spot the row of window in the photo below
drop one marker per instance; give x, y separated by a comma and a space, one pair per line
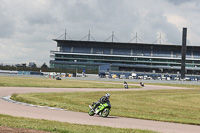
107, 59
136, 51
141, 54
71, 67
132, 63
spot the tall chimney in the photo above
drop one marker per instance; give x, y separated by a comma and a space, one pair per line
183, 52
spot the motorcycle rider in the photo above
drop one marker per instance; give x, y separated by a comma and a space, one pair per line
102, 100
125, 85
142, 84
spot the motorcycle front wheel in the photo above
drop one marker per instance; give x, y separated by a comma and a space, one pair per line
105, 112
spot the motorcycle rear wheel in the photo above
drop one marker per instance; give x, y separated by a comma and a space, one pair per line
105, 112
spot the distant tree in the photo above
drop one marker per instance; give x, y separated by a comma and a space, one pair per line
32, 65
44, 66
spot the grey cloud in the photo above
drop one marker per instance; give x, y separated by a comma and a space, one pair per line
41, 18
7, 24
103, 18
33, 25
7, 27
179, 2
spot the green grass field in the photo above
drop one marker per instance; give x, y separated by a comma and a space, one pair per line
19, 122
60, 127
52, 83
6, 81
181, 106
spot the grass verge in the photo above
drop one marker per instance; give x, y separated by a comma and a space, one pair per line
52, 83
60, 127
6, 81
181, 106
178, 85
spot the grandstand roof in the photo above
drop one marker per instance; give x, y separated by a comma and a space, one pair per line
114, 44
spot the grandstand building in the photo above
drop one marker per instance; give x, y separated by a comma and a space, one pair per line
117, 56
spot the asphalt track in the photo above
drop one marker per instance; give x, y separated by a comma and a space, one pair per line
14, 109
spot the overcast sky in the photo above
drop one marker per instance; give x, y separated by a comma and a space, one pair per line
28, 26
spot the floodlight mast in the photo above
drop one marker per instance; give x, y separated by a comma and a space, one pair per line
183, 52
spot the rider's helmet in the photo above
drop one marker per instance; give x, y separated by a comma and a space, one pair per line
107, 95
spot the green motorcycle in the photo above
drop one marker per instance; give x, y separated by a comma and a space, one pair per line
102, 109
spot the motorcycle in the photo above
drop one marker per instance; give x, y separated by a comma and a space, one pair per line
102, 109
142, 84
125, 85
